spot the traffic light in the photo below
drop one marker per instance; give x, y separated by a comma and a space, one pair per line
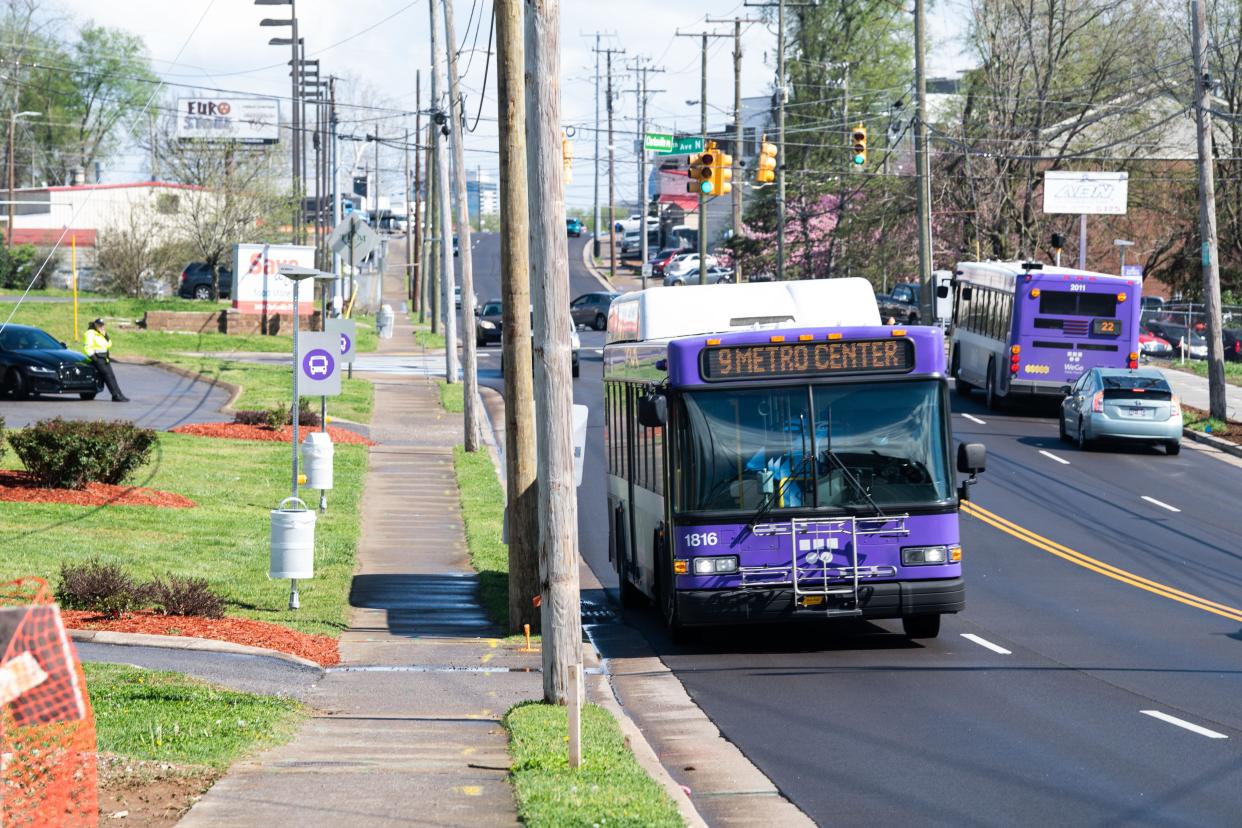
701, 173
859, 137
567, 158
767, 162
722, 174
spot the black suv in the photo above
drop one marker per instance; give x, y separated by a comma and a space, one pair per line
198, 282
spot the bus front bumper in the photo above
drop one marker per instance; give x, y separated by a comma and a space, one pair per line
895, 599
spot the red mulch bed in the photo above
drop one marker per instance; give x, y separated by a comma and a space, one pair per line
318, 648
238, 431
19, 486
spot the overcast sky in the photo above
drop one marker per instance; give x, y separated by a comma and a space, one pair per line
218, 43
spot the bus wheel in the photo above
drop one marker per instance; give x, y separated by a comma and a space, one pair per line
921, 626
989, 389
960, 385
667, 594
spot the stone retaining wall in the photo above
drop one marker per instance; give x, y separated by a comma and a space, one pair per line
226, 322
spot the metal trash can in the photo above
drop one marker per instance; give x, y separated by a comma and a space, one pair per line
383, 322
293, 542
317, 451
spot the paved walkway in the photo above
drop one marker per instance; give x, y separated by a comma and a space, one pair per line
408, 727
1193, 391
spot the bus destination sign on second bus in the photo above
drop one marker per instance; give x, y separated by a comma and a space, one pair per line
808, 359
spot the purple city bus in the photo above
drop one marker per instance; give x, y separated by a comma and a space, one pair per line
1028, 329
775, 469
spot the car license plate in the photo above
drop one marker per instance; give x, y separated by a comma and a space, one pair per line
1140, 413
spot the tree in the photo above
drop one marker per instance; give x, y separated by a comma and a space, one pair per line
129, 252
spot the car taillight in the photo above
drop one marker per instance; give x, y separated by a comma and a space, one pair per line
1175, 407
1097, 402
185, 274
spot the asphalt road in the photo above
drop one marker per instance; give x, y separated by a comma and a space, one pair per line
159, 399
1101, 678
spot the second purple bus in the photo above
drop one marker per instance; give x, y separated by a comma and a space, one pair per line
1027, 329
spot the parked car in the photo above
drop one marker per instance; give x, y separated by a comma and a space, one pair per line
33, 362
1153, 345
715, 275
198, 282
575, 344
1122, 403
592, 309
1172, 328
574, 227
902, 305
632, 241
457, 297
662, 259
487, 322
1154, 303
686, 262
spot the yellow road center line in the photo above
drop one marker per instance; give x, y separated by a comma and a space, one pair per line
1105, 569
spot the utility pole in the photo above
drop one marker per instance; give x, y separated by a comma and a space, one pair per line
595, 225
472, 401
407, 197
436, 232
558, 499
782, 95
521, 491
335, 187
414, 222
612, 184
739, 136
921, 161
642, 92
703, 36
442, 203
1207, 214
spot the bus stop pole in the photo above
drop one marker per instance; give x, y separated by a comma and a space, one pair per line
294, 603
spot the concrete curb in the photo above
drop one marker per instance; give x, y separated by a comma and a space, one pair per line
235, 391
185, 642
1215, 442
595, 272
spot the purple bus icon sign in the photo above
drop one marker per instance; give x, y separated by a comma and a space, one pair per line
345, 343
318, 364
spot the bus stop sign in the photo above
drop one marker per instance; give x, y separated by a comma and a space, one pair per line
318, 363
347, 330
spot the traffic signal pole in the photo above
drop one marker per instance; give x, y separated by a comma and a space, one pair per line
703, 198
921, 161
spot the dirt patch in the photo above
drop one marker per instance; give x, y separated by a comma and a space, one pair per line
20, 486
318, 648
133, 792
1231, 433
239, 431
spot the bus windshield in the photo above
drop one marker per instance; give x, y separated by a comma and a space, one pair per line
834, 447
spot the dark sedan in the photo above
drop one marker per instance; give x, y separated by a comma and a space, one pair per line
33, 362
592, 309
487, 324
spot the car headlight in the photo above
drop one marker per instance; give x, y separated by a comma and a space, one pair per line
487, 326
930, 555
715, 566
39, 369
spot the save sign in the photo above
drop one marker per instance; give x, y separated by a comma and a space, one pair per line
258, 286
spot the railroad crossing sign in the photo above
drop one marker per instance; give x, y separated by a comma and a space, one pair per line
354, 232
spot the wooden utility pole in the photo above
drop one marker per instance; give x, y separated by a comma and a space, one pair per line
1207, 214
921, 161
642, 92
442, 119
457, 125
436, 231
520, 463
612, 184
558, 497
595, 163
409, 228
415, 222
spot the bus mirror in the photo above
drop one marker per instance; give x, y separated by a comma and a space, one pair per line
972, 458
967, 292
653, 410
942, 291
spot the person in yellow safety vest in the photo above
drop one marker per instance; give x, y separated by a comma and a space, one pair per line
97, 345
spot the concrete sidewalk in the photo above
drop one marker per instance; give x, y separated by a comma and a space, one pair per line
1192, 389
407, 729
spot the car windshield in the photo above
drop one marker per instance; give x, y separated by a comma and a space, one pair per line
855, 446
491, 309
28, 339
1136, 381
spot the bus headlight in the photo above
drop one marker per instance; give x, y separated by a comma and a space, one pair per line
930, 555
715, 566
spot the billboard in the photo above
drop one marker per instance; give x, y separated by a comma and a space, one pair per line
1086, 193
258, 286
237, 120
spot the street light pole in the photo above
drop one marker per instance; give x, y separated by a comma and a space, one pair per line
12, 169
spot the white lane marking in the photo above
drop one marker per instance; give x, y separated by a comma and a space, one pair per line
983, 642
975, 419
1052, 456
1161, 504
1182, 723
596, 351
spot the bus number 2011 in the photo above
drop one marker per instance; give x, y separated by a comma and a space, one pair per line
696, 539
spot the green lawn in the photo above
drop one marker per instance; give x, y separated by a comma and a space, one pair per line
609, 789
483, 509
1196, 420
264, 385
1233, 370
452, 397
167, 717
225, 539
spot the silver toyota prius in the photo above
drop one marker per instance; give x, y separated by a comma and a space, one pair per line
1122, 404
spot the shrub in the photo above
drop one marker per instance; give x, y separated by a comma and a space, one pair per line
100, 587
251, 416
278, 416
176, 595
69, 454
1, 437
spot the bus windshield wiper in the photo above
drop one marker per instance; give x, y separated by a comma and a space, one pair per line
849, 476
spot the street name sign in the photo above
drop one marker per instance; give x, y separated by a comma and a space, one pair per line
347, 330
354, 230
684, 145
658, 142
318, 363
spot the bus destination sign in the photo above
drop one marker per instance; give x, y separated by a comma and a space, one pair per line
807, 359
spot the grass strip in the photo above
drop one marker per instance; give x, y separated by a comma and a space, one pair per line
1197, 419
208, 353
167, 717
424, 338
1233, 370
224, 539
452, 397
483, 510
609, 789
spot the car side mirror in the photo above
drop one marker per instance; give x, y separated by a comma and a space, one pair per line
653, 410
1066, 390
64, 345
942, 292
972, 458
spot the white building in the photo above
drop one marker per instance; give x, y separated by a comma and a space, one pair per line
44, 216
